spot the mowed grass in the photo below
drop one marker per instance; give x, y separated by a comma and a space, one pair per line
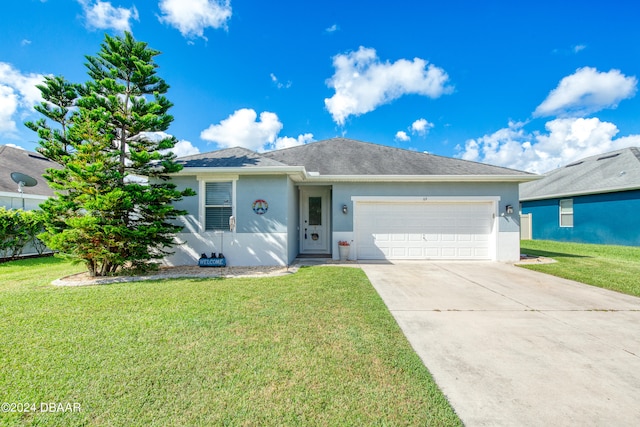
611, 267
317, 347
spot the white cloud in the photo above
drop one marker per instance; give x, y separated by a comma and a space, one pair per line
421, 127
191, 17
102, 15
402, 136
587, 91
16, 146
362, 82
288, 142
579, 47
278, 83
25, 42
567, 140
241, 129
8, 107
180, 149
332, 29
18, 95
184, 148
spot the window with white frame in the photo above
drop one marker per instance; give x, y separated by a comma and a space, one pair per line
218, 205
566, 213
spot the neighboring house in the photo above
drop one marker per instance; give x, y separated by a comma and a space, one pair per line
27, 163
593, 200
389, 203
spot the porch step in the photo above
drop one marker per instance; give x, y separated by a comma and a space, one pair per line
314, 255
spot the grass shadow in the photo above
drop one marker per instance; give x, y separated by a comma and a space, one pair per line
549, 254
34, 261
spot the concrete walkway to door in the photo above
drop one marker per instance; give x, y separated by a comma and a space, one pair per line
512, 347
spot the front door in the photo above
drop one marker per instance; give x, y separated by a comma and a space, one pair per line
314, 221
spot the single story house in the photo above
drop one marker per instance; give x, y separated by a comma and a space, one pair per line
387, 203
16, 163
593, 200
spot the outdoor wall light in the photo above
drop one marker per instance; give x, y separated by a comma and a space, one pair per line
345, 209
509, 209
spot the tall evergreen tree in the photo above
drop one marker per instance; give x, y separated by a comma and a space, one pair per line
106, 214
59, 98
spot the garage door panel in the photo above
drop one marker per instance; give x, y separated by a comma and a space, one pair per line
415, 252
449, 252
399, 252
424, 230
465, 252
481, 237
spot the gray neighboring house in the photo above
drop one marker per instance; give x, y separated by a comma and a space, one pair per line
388, 203
592, 200
28, 163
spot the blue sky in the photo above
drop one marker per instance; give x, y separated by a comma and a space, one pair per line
529, 85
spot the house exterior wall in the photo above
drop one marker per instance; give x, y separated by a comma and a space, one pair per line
293, 216
15, 201
508, 226
257, 240
273, 238
608, 218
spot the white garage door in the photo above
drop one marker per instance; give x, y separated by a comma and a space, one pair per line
424, 230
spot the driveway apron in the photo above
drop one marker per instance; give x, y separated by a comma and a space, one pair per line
513, 347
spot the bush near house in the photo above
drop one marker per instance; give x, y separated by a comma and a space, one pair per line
19, 228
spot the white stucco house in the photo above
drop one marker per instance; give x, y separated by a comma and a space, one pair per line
388, 203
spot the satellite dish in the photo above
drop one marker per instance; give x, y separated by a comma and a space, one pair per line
23, 180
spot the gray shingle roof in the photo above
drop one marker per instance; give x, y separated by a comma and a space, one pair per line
26, 162
347, 157
614, 171
227, 158
342, 156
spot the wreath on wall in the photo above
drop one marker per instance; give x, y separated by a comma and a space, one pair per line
260, 207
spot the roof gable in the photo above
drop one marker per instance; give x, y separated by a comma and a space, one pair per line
614, 171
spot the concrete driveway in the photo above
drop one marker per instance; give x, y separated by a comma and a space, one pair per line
512, 347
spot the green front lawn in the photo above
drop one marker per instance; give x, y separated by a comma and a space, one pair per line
611, 267
314, 348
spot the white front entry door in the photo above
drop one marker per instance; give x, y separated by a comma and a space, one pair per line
314, 221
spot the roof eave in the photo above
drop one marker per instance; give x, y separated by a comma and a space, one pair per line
579, 193
254, 170
422, 178
299, 174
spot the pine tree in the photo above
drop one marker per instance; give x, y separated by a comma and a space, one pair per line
59, 97
114, 206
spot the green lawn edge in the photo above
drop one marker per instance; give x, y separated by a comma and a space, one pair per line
318, 347
606, 266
